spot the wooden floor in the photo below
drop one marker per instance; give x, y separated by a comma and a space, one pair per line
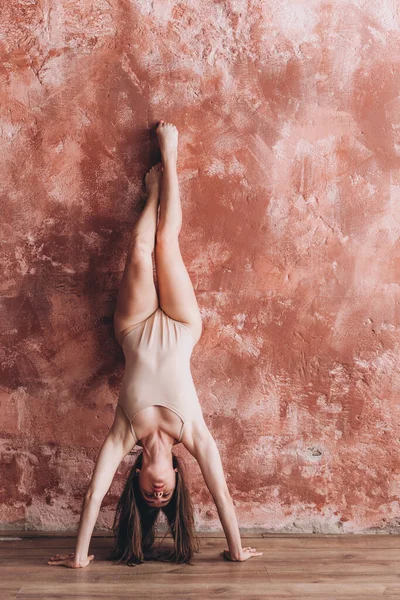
323, 567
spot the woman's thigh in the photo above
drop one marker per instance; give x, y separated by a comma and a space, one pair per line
176, 294
137, 296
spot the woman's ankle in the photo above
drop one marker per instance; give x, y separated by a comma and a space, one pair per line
170, 160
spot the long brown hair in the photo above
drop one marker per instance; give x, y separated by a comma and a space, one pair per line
134, 522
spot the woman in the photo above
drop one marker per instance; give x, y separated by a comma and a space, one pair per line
158, 406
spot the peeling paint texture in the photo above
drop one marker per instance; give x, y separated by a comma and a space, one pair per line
289, 120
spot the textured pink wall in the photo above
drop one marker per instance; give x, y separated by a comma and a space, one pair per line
289, 119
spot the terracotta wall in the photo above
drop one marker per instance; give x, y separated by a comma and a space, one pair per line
289, 119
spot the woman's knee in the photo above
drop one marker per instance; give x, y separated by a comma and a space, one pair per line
167, 235
140, 250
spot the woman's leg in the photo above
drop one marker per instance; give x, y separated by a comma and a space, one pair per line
177, 297
137, 296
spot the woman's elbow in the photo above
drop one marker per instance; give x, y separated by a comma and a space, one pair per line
93, 496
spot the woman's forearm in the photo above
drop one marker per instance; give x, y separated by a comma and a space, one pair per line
227, 516
90, 512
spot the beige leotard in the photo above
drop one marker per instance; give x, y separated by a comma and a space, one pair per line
157, 369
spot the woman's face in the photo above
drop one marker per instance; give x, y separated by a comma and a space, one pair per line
157, 483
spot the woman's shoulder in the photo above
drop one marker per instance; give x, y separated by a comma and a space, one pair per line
194, 431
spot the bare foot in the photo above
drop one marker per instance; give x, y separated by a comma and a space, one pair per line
153, 180
167, 135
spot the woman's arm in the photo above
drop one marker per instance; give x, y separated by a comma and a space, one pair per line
206, 453
113, 450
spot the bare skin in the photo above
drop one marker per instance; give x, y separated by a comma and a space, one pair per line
68, 560
157, 427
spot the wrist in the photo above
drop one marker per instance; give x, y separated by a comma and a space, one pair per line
79, 558
235, 555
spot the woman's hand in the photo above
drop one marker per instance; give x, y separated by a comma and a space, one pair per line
245, 553
68, 560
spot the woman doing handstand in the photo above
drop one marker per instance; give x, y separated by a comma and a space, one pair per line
158, 406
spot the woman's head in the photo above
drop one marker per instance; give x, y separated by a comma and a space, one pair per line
136, 515
157, 478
